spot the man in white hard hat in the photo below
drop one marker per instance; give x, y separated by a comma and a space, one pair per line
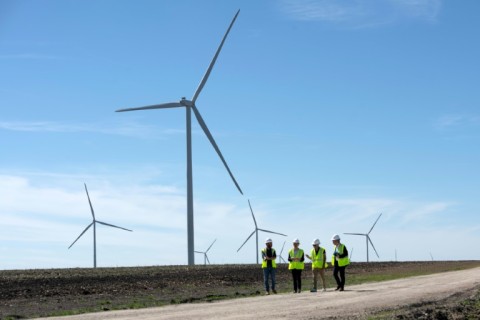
319, 263
269, 265
296, 264
339, 261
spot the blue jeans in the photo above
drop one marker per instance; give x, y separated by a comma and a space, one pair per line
269, 272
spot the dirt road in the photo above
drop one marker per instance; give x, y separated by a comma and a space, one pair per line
355, 301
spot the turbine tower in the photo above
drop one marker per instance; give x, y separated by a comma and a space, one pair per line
256, 232
189, 107
205, 257
367, 237
94, 224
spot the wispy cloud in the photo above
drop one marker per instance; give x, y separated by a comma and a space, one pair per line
361, 13
29, 56
457, 120
131, 129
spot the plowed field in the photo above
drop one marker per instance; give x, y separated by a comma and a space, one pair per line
33, 293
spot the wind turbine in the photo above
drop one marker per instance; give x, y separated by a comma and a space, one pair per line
189, 106
256, 231
94, 224
351, 254
281, 251
367, 237
205, 257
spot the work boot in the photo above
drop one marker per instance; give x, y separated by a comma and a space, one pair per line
313, 290
267, 293
274, 291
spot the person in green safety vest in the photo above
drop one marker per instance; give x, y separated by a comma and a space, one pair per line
339, 261
269, 265
296, 264
319, 263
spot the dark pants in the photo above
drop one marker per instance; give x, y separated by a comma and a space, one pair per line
269, 272
340, 280
297, 279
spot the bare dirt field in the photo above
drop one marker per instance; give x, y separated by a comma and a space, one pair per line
33, 293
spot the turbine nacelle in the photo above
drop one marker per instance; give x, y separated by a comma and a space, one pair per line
186, 103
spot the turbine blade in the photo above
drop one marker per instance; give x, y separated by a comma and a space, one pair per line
214, 144
155, 106
369, 240
210, 67
246, 240
273, 232
199, 252
283, 246
357, 234
81, 234
211, 245
111, 225
208, 260
374, 223
251, 210
90, 202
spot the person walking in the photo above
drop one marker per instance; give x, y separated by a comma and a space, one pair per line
318, 256
339, 261
269, 266
296, 263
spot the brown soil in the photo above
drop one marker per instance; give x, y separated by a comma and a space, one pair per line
33, 293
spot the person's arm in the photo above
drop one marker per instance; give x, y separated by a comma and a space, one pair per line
274, 255
289, 257
263, 255
303, 257
344, 254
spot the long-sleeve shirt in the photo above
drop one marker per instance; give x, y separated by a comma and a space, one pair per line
268, 253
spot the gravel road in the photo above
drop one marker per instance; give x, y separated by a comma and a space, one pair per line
353, 302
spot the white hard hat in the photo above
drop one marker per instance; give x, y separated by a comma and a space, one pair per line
335, 237
316, 242
268, 240
296, 240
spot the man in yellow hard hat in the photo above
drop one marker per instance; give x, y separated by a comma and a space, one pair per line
319, 263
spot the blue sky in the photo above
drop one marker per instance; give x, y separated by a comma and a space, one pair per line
327, 112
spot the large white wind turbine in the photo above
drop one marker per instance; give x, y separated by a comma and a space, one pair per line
205, 257
256, 232
367, 237
94, 224
189, 106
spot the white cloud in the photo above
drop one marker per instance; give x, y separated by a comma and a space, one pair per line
42, 213
457, 120
361, 13
131, 129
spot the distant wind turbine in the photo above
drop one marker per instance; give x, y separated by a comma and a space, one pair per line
431, 256
205, 257
351, 254
94, 224
281, 251
256, 232
189, 106
367, 237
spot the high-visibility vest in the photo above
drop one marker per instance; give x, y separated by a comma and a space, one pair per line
317, 258
296, 264
342, 262
264, 262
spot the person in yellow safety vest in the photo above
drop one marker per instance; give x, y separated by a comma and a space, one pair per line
296, 260
269, 266
319, 263
339, 261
